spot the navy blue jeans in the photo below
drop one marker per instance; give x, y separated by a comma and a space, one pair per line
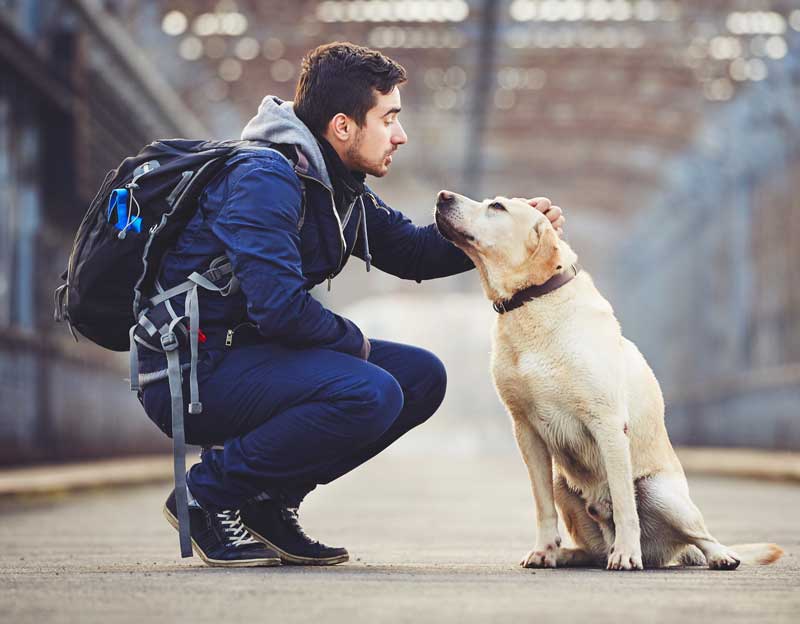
289, 419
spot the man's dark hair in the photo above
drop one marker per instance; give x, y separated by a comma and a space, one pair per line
342, 78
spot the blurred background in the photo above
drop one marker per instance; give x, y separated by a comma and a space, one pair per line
667, 130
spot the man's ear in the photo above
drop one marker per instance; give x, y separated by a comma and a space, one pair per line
545, 259
340, 126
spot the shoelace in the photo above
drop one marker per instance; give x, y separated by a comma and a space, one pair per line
232, 524
290, 516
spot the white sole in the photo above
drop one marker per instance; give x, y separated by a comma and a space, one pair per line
218, 563
288, 558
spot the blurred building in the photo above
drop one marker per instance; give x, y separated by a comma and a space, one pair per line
635, 116
75, 98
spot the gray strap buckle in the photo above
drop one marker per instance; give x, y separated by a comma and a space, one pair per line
169, 341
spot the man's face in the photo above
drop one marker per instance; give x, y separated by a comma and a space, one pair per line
372, 145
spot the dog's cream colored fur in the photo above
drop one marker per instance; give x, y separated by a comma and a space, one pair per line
587, 411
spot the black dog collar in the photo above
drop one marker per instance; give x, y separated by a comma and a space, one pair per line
531, 292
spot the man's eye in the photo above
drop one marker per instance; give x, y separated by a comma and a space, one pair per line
497, 206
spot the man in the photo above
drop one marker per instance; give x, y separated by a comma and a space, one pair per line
295, 394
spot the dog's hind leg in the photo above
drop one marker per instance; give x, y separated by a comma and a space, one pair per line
662, 543
670, 520
691, 556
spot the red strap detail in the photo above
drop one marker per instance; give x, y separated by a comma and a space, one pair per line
201, 337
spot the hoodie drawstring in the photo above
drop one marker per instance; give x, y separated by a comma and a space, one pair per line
367, 255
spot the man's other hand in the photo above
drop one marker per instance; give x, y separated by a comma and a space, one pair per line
553, 213
366, 347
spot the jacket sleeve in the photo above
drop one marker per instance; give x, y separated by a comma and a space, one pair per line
257, 223
405, 250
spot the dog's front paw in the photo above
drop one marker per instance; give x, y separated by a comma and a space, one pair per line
625, 557
542, 556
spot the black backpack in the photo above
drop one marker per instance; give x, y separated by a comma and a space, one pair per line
133, 220
111, 294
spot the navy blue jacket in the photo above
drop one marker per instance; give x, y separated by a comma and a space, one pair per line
283, 241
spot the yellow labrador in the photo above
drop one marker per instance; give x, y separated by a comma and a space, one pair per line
587, 411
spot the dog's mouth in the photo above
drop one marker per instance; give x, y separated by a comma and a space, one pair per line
449, 231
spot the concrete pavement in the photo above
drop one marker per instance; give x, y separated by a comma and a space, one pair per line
432, 540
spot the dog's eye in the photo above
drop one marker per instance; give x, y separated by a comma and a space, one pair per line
497, 206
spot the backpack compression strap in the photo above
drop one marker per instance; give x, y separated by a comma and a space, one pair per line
220, 268
170, 344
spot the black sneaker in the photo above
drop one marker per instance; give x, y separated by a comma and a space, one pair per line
277, 527
220, 539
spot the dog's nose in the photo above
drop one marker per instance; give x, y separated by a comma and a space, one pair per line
445, 197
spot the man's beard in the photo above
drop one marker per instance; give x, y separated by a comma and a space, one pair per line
358, 163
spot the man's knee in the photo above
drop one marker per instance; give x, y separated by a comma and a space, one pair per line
438, 381
429, 391
380, 400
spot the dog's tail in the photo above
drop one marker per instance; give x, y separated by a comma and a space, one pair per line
758, 554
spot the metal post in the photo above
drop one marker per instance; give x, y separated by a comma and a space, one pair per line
484, 90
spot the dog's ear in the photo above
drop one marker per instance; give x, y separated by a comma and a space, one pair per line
545, 259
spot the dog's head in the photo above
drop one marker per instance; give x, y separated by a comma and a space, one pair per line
512, 244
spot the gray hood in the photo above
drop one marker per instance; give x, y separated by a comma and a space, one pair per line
276, 122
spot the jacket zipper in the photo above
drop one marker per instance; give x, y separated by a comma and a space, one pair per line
344, 224
377, 204
349, 212
343, 245
231, 332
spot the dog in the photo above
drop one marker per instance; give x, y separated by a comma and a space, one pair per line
587, 410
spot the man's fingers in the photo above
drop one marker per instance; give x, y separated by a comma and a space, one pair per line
542, 204
554, 214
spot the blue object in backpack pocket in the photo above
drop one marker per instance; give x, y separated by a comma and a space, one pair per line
118, 204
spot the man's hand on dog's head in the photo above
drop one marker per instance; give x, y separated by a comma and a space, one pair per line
553, 213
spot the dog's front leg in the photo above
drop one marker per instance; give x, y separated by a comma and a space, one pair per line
626, 554
540, 469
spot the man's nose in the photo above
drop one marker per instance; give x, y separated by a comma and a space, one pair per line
399, 137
